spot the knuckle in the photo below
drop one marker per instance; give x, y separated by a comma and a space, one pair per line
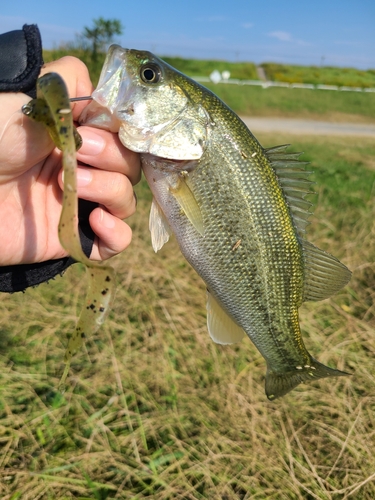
121, 196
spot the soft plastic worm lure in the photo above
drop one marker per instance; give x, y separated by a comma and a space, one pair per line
52, 108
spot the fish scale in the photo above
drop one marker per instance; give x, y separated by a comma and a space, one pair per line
238, 210
266, 317
259, 220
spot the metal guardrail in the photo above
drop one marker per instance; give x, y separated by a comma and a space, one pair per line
267, 84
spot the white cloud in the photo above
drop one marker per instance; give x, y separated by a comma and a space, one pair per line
281, 35
247, 25
284, 36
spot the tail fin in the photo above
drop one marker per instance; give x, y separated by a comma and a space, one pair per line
278, 384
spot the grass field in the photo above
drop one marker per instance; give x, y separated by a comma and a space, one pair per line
334, 75
155, 410
255, 101
340, 76
191, 67
350, 77
298, 103
196, 67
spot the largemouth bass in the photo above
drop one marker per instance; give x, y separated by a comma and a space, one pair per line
238, 210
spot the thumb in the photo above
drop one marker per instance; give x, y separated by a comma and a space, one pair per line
23, 142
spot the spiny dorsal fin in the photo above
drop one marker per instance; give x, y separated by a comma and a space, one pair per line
158, 226
293, 179
324, 274
222, 328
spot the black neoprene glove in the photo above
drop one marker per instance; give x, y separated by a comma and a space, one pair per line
20, 62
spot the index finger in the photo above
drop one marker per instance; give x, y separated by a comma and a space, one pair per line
76, 77
102, 149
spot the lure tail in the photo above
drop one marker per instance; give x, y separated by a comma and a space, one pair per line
279, 384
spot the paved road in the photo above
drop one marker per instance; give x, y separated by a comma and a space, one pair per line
308, 127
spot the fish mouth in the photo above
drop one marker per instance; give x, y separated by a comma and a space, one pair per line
113, 82
113, 103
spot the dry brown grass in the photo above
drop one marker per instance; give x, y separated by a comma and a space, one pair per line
156, 410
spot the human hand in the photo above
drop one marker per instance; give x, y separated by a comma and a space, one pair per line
31, 182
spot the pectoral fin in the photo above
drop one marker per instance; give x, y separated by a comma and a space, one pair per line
222, 328
188, 204
158, 226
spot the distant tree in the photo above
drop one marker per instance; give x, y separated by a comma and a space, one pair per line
101, 34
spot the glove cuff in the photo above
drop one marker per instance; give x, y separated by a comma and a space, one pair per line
21, 58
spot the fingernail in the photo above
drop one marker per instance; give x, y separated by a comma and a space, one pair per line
92, 143
84, 177
107, 220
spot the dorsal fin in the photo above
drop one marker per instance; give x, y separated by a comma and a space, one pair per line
293, 179
324, 275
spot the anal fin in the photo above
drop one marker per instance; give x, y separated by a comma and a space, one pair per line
221, 327
324, 274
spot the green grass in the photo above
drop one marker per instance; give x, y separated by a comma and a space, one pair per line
85, 56
243, 70
191, 67
301, 103
256, 101
155, 410
198, 67
350, 77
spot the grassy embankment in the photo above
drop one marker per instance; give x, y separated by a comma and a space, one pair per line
328, 105
350, 77
301, 103
156, 410
256, 101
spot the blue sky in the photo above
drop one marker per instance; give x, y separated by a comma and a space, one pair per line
332, 32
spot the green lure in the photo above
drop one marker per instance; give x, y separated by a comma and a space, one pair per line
52, 108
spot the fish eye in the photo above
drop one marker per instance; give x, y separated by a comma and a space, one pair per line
150, 73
